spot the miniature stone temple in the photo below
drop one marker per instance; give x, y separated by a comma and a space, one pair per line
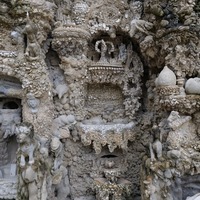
99, 99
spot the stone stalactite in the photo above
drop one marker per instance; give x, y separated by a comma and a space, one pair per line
99, 99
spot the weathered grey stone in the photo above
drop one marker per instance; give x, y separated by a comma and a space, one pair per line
192, 86
82, 114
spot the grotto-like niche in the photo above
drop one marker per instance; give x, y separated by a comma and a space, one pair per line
10, 116
104, 80
60, 87
112, 92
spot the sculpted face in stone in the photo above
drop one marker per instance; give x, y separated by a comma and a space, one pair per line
32, 102
21, 137
14, 37
23, 134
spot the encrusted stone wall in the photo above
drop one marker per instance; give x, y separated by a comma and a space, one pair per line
99, 99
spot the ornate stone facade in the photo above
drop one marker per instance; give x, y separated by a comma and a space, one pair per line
99, 99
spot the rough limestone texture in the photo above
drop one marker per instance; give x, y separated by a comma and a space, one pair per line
100, 99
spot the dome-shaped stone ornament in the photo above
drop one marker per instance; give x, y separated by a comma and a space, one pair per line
192, 86
166, 78
166, 82
195, 197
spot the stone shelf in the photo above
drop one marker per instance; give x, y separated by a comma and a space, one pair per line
113, 135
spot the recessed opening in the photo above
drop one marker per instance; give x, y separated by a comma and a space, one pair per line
112, 48
25, 42
56, 193
10, 105
10, 113
109, 156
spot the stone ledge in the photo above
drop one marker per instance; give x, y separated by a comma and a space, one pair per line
113, 135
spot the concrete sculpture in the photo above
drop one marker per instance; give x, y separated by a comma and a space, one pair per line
99, 99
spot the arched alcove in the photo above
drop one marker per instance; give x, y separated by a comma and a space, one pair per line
10, 116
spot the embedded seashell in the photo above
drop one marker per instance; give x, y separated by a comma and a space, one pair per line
192, 86
64, 133
55, 143
166, 78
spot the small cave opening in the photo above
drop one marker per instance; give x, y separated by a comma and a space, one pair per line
10, 105
56, 193
109, 156
5, 199
25, 42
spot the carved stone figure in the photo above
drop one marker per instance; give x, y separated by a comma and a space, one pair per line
138, 24
15, 36
99, 80
31, 157
33, 51
33, 103
26, 152
104, 49
157, 147
24, 137
60, 179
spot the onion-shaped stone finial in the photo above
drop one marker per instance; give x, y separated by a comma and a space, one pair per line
166, 78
